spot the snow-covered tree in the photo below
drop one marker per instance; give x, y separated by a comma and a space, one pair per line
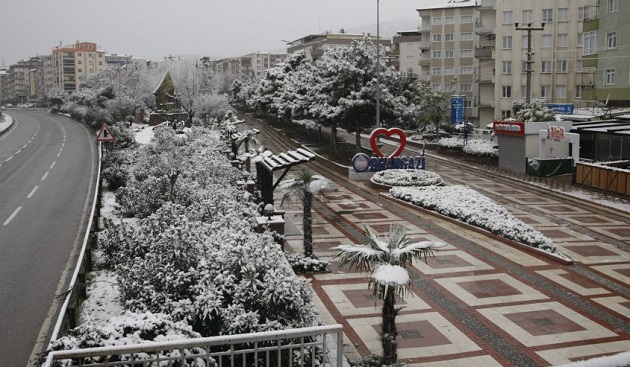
535, 111
303, 187
385, 260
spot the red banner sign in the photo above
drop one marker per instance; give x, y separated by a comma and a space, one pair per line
515, 128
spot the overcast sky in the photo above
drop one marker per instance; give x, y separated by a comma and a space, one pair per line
153, 29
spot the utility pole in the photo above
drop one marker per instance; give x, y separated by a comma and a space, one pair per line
378, 66
529, 28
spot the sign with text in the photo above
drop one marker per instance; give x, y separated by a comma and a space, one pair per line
514, 128
457, 109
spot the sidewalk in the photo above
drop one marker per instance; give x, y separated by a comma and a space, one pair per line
5, 122
479, 302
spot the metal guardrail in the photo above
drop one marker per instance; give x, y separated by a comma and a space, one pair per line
313, 346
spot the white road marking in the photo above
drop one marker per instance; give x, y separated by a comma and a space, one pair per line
8, 159
32, 192
45, 175
52, 165
15, 212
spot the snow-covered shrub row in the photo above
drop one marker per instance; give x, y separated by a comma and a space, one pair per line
306, 264
406, 177
192, 254
469, 206
478, 147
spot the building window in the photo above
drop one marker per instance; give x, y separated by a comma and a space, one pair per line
506, 114
436, 71
579, 66
611, 40
613, 6
579, 39
448, 54
437, 37
449, 87
466, 36
466, 19
527, 16
561, 66
448, 70
436, 54
436, 21
578, 91
466, 53
506, 91
545, 91
467, 104
448, 37
465, 87
561, 91
582, 13
524, 40
545, 66
410, 45
523, 90
547, 41
449, 20
506, 67
563, 14
466, 70
609, 77
437, 87
547, 15
409, 58
589, 43
563, 40
507, 42
508, 17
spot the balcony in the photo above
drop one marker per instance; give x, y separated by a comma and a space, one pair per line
425, 45
487, 5
424, 60
485, 77
482, 30
484, 52
424, 28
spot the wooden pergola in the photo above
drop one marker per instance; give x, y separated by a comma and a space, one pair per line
266, 166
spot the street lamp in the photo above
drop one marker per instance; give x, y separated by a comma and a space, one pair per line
378, 65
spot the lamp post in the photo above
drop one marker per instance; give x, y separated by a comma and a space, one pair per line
378, 65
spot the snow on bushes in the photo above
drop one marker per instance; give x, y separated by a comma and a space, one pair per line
192, 255
406, 177
469, 206
477, 147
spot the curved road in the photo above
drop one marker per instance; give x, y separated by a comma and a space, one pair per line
47, 174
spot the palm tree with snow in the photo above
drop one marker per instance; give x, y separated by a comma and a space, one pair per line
303, 188
385, 261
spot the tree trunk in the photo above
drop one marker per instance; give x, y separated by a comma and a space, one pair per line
247, 159
307, 223
172, 181
389, 333
333, 137
357, 137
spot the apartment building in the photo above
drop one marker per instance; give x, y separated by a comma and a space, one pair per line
479, 49
555, 27
73, 63
314, 45
606, 53
410, 53
448, 46
251, 65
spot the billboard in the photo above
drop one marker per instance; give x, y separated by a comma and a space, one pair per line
457, 109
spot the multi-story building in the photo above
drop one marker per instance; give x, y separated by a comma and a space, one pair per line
251, 65
555, 28
118, 60
24, 83
3, 77
314, 45
411, 53
73, 63
448, 50
606, 32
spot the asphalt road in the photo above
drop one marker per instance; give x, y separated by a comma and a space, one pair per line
47, 174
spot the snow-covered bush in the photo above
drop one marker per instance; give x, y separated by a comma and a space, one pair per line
195, 257
406, 177
469, 206
306, 264
128, 328
451, 142
481, 148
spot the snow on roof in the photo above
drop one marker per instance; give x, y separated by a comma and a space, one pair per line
440, 4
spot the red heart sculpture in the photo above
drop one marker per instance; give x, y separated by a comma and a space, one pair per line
388, 133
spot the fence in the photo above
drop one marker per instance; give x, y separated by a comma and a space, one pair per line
604, 178
314, 346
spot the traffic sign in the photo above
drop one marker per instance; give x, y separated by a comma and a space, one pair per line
105, 134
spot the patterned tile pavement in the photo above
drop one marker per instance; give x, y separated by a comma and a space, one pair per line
479, 301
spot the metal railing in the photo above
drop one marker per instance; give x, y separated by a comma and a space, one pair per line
313, 346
